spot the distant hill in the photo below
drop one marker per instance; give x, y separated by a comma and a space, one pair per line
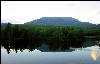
5, 21
61, 21
3, 24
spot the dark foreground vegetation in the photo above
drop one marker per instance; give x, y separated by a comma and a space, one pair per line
20, 37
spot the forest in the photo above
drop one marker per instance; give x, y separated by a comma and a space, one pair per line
23, 36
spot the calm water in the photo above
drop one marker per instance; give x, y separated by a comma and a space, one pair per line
42, 55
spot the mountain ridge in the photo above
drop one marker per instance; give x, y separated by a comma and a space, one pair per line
60, 21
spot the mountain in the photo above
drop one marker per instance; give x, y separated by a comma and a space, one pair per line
61, 21
5, 21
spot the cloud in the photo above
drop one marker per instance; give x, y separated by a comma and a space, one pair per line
28, 11
72, 4
98, 13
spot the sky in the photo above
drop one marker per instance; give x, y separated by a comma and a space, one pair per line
19, 12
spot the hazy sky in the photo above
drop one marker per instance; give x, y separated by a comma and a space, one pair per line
24, 11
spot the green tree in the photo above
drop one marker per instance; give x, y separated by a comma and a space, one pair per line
7, 33
16, 31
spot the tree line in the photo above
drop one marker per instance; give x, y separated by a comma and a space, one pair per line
21, 36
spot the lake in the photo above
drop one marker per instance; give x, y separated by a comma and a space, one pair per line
44, 55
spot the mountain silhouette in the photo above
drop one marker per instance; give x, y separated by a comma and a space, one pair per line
61, 21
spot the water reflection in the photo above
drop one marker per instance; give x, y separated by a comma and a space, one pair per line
72, 63
95, 54
21, 45
44, 54
46, 46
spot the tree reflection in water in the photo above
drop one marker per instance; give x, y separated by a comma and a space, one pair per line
48, 46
